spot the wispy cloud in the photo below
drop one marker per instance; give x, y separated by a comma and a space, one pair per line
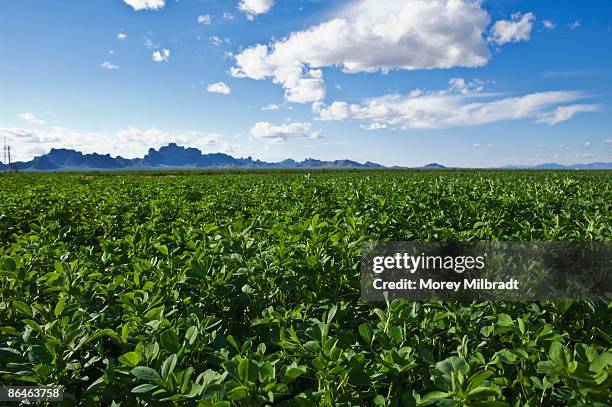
563, 113
217, 41
108, 65
30, 118
576, 73
278, 133
149, 44
276, 106
457, 106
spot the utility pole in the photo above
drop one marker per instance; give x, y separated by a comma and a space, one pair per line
6, 158
4, 154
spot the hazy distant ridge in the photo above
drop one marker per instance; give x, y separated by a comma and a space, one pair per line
174, 156
556, 166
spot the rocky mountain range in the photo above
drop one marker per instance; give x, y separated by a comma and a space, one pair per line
171, 156
174, 156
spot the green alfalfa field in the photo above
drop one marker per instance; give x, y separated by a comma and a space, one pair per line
229, 288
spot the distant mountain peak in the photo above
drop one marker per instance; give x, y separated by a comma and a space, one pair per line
434, 165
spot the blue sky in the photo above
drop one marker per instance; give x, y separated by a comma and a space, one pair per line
460, 82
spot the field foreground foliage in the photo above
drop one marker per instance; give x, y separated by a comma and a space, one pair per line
243, 289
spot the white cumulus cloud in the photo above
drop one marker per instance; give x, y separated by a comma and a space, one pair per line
30, 118
518, 28
282, 132
122, 36
370, 36
254, 7
456, 107
218, 87
161, 56
463, 87
146, 4
128, 142
204, 19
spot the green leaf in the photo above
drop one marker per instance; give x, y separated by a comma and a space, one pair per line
559, 354
237, 393
59, 267
453, 364
143, 388
267, 371
477, 379
232, 341
433, 397
10, 264
426, 355
196, 390
601, 362
168, 366
247, 371
151, 351
191, 334
169, 340
504, 320
331, 313
293, 372
163, 249
380, 314
145, 373
521, 325
59, 307
34, 325
104, 332
130, 359
313, 346
366, 332
154, 313
483, 392
261, 348
22, 307
395, 333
